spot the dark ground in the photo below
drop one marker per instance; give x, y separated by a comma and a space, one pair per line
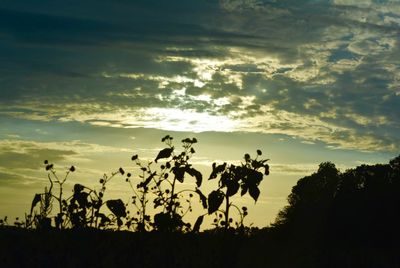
268, 248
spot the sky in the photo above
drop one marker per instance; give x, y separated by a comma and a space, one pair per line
90, 83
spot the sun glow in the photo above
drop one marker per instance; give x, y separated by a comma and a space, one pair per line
184, 120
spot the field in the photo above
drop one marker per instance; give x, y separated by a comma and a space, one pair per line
266, 248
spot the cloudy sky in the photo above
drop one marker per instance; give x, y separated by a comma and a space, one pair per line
90, 83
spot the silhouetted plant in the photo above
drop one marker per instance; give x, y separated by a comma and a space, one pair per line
45, 201
245, 177
85, 205
161, 181
158, 181
80, 210
4, 222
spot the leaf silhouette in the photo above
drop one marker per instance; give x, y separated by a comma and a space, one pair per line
147, 181
215, 199
216, 170
35, 200
197, 224
254, 192
117, 207
203, 198
164, 153
254, 178
232, 187
195, 173
244, 189
179, 173
78, 188
81, 198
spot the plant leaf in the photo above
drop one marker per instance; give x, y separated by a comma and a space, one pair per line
254, 178
216, 170
254, 192
81, 198
35, 200
197, 224
78, 188
147, 181
203, 198
195, 173
164, 153
179, 173
117, 207
244, 189
232, 187
215, 199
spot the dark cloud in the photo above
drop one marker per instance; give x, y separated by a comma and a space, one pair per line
331, 62
30, 158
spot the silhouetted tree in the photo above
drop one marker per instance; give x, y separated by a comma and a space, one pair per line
361, 205
310, 201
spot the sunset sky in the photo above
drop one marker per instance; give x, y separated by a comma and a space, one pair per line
90, 83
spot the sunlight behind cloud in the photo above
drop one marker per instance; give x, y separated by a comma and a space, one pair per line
183, 120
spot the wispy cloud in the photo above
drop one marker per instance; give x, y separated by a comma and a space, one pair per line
22, 154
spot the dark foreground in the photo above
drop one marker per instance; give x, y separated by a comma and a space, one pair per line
333, 219
268, 248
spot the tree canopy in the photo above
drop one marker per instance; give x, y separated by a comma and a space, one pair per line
360, 205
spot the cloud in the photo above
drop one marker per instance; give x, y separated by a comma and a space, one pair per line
317, 70
298, 169
240, 5
22, 154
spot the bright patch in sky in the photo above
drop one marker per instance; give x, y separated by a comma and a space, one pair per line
180, 120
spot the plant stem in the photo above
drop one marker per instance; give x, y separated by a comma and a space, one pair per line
143, 201
60, 204
227, 212
171, 207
